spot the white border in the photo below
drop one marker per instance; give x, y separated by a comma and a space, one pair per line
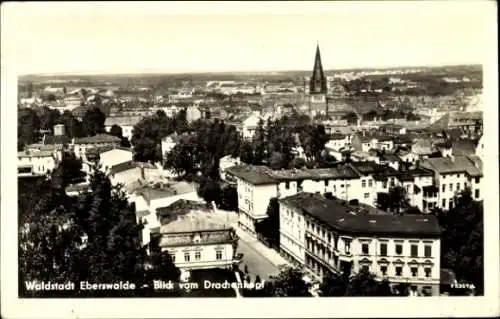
12, 307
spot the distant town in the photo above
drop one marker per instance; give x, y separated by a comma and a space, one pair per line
316, 183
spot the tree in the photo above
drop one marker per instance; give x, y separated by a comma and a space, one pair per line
28, 126
333, 285
71, 169
361, 284
48, 117
229, 200
211, 191
288, 283
277, 161
94, 237
246, 155
93, 121
269, 228
259, 144
116, 131
351, 118
73, 127
395, 200
462, 239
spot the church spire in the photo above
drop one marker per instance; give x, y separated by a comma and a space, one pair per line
318, 79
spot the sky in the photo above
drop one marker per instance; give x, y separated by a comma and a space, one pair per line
118, 37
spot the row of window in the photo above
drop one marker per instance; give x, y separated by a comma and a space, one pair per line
365, 249
399, 271
197, 256
363, 183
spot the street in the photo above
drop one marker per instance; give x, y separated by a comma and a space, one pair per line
256, 263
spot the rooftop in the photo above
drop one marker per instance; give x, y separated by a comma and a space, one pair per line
122, 120
35, 154
122, 167
339, 216
471, 164
194, 221
56, 139
99, 138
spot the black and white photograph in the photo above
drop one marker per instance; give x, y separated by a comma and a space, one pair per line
212, 151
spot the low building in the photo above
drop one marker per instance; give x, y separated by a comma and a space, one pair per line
453, 174
249, 126
195, 238
224, 164
111, 156
82, 144
328, 236
35, 162
126, 123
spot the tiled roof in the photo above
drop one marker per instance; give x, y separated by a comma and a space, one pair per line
122, 167
464, 147
194, 222
409, 175
56, 139
122, 120
261, 175
99, 138
345, 218
180, 207
472, 165
35, 154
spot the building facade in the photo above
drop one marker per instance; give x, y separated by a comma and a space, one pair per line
327, 236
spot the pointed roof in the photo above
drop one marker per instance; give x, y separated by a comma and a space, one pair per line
318, 79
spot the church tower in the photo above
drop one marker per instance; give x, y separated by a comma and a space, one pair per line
318, 86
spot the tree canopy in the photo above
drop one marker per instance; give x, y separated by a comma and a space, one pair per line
92, 237
462, 239
361, 284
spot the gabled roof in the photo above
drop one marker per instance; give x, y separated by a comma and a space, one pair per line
472, 165
343, 217
99, 138
122, 167
122, 120
56, 140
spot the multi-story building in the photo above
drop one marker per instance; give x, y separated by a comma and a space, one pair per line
126, 123
81, 145
256, 185
332, 236
453, 174
35, 162
194, 238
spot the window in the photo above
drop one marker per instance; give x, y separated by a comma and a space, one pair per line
459, 175
218, 254
367, 195
444, 188
414, 271
414, 250
363, 183
443, 203
287, 185
383, 249
458, 186
341, 185
428, 251
477, 180
444, 176
370, 183
450, 203
384, 185
326, 183
186, 256
383, 270
428, 272
365, 268
364, 249
476, 193
451, 187
172, 256
399, 249
399, 271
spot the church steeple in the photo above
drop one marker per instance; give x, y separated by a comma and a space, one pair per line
318, 79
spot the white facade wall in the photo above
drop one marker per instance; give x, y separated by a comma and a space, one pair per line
40, 164
114, 157
292, 236
201, 256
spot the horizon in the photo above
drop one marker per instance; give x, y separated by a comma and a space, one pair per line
238, 72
